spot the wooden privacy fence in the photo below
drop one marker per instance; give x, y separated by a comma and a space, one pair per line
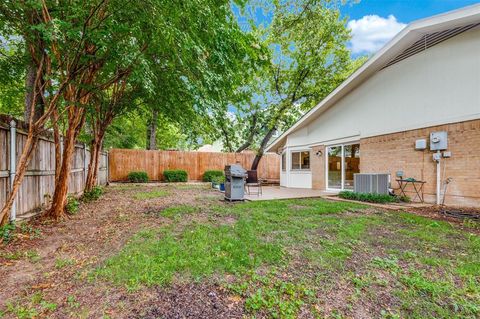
38, 184
124, 161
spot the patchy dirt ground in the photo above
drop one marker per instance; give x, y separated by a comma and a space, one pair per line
50, 258
320, 259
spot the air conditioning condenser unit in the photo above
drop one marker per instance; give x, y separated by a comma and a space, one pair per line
377, 183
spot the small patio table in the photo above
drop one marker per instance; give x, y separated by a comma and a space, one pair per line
417, 186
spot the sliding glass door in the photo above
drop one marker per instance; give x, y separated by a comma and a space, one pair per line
335, 167
343, 162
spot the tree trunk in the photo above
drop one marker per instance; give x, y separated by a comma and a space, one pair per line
57, 140
30, 99
61, 187
93, 166
59, 198
30, 144
261, 150
152, 131
243, 147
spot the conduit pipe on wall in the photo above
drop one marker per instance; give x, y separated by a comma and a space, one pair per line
436, 158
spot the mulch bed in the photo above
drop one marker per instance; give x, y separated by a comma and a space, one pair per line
190, 301
454, 215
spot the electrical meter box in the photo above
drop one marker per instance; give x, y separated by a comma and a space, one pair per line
438, 141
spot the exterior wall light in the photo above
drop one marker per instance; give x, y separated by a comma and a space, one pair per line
319, 153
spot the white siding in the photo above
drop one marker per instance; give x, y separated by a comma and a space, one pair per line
300, 179
295, 178
437, 86
283, 178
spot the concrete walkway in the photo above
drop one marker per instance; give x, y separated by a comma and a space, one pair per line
277, 192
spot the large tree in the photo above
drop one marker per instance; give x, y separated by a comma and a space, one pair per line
195, 61
76, 48
32, 29
308, 45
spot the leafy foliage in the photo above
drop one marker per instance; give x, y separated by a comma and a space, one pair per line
308, 59
372, 197
176, 175
93, 194
138, 177
72, 205
219, 179
209, 175
6, 232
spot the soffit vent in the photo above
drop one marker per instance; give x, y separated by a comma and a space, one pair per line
430, 40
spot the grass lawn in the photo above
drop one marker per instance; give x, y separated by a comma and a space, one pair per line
180, 251
308, 258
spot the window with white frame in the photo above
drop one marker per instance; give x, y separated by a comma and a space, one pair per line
284, 161
301, 160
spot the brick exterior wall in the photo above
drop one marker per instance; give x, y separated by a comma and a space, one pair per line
317, 164
396, 152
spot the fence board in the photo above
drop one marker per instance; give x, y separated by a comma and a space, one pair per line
39, 181
124, 161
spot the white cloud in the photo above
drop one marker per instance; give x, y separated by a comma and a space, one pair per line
371, 32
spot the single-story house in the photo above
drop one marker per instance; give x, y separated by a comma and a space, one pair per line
379, 120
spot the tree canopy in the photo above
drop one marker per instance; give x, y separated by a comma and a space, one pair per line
307, 42
82, 65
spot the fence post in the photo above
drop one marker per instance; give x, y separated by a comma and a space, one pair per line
13, 164
107, 177
84, 164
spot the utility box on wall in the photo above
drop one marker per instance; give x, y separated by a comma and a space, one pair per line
421, 144
438, 141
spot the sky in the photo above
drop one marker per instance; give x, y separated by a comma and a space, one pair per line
374, 22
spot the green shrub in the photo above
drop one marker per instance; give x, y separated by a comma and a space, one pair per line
176, 175
367, 197
92, 194
208, 176
72, 205
218, 179
6, 232
138, 177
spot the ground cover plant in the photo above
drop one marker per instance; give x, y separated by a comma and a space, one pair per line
182, 252
372, 197
94, 194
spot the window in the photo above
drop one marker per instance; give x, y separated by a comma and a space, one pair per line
301, 160
284, 161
